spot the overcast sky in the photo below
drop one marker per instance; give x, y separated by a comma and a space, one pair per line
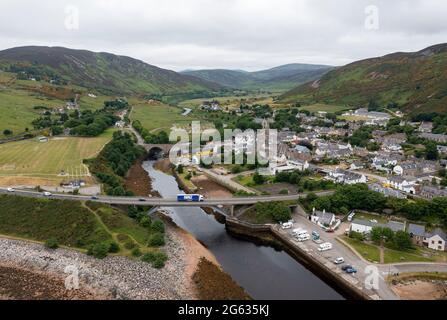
234, 34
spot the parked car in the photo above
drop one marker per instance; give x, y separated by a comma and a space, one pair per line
339, 260
346, 267
95, 198
351, 216
303, 237
315, 235
286, 225
11, 190
47, 194
351, 270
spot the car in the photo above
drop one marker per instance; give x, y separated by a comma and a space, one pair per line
286, 225
339, 260
346, 267
11, 190
95, 198
351, 270
303, 237
47, 194
142, 200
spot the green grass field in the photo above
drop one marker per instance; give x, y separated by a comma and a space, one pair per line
325, 108
31, 159
16, 109
156, 116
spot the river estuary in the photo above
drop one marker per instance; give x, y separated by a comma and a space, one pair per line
262, 271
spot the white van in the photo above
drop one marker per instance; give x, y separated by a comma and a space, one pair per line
304, 237
299, 232
286, 225
351, 216
325, 247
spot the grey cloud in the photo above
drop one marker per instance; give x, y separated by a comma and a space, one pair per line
240, 34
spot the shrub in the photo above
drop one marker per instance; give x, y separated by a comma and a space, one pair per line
136, 252
145, 221
284, 191
156, 259
99, 250
157, 240
158, 226
52, 243
114, 247
129, 245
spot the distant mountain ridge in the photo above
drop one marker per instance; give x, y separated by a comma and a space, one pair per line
275, 79
105, 72
416, 82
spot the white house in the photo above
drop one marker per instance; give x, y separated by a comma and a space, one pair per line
346, 177
287, 166
325, 220
405, 184
436, 240
362, 226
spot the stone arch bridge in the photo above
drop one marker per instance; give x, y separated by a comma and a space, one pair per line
154, 149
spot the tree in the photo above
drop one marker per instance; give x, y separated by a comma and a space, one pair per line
402, 240
258, 179
7, 132
431, 151
158, 226
157, 240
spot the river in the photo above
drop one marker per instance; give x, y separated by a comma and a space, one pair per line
262, 271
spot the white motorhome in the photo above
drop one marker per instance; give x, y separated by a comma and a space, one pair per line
325, 247
298, 232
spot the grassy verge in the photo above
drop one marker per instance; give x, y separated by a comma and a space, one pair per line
393, 256
367, 251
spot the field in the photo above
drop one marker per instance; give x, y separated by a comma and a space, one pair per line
325, 108
155, 116
232, 102
30, 161
16, 109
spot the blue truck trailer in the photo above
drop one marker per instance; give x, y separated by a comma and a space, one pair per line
190, 198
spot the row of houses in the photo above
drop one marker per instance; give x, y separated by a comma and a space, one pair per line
435, 239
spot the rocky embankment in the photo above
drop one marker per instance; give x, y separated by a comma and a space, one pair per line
40, 273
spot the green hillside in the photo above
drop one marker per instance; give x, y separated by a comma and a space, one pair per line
414, 82
281, 78
104, 72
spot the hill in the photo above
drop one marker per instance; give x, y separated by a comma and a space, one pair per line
104, 72
413, 82
280, 78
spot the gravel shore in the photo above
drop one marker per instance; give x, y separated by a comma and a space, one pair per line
114, 277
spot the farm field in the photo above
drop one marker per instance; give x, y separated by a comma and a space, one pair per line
156, 115
325, 108
16, 109
40, 163
232, 102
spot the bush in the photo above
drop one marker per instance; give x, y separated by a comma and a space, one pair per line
129, 245
136, 252
284, 191
156, 259
158, 226
52, 243
145, 221
114, 247
157, 240
99, 250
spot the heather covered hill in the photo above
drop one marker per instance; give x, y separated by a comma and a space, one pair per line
105, 72
414, 82
280, 78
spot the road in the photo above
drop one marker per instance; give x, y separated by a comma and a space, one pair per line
159, 202
364, 267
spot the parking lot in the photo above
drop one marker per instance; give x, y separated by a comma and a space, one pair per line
338, 250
